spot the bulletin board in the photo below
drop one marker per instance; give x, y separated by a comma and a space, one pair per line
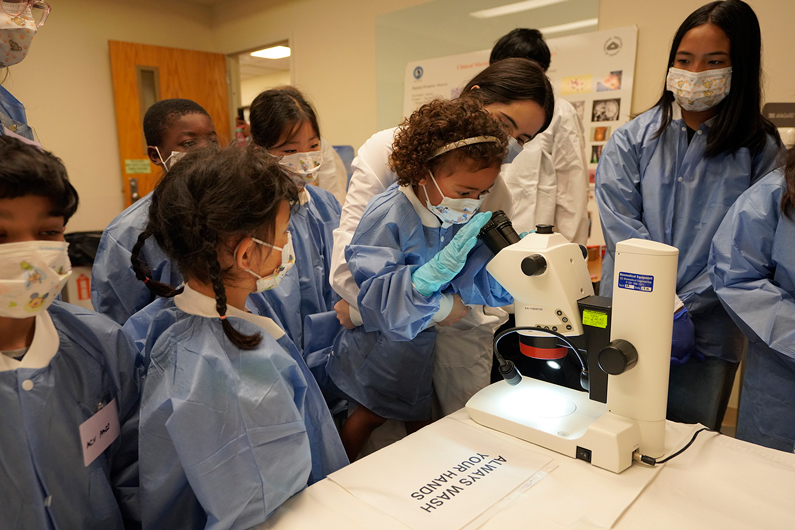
593, 71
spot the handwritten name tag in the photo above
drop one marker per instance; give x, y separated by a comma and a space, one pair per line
97, 432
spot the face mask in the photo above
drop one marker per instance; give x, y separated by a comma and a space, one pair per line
514, 148
699, 91
452, 211
32, 273
172, 159
266, 283
16, 33
303, 166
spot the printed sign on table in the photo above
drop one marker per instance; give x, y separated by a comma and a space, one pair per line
441, 479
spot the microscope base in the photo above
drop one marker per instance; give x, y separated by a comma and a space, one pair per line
560, 419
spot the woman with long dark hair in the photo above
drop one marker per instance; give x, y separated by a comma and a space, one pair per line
671, 174
752, 266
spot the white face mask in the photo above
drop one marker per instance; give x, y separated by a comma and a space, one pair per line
266, 283
32, 273
699, 91
16, 34
452, 211
172, 159
304, 166
514, 148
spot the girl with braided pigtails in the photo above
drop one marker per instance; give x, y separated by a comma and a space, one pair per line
232, 421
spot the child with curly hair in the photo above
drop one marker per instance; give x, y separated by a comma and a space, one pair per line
417, 261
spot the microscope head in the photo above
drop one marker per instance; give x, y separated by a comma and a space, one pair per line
546, 275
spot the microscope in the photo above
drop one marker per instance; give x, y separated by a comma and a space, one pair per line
623, 344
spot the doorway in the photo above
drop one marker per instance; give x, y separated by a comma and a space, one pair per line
251, 74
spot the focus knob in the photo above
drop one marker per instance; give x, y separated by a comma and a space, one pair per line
618, 357
534, 265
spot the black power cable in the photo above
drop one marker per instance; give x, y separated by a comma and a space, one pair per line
653, 461
507, 368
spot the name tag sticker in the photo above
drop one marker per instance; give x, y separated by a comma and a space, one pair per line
635, 282
99, 431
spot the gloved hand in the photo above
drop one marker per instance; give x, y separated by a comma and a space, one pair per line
684, 339
449, 261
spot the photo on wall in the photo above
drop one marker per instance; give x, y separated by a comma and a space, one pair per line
576, 84
606, 109
579, 106
611, 81
596, 153
601, 133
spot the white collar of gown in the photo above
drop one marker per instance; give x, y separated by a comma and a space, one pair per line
428, 219
195, 303
42, 349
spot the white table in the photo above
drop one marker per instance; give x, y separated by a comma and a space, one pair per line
719, 482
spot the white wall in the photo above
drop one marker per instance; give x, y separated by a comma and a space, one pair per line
65, 85
658, 21
65, 82
251, 87
333, 54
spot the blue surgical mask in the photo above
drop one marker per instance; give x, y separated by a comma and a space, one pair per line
514, 148
452, 211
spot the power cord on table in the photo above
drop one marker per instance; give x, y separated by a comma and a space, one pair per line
649, 461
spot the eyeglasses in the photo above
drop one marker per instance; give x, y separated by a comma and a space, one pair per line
39, 9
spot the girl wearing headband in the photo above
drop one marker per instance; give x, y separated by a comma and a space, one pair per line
417, 262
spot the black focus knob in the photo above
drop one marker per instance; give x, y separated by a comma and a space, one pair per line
534, 265
544, 229
618, 357
584, 251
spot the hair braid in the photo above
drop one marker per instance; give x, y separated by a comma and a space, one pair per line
142, 272
242, 341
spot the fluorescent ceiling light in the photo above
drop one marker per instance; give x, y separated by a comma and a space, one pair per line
274, 52
514, 8
591, 22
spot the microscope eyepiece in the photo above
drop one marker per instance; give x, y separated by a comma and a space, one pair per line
498, 232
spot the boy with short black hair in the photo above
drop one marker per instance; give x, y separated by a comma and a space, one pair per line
171, 127
69, 378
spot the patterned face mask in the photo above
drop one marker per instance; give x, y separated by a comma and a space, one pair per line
271, 281
304, 166
453, 211
699, 91
32, 273
16, 33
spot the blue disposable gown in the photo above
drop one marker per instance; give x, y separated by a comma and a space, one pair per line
305, 290
387, 363
227, 435
115, 291
752, 265
664, 189
12, 116
43, 482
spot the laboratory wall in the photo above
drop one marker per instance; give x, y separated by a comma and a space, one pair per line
251, 87
65, 85
658, 21
333, 53
65, 82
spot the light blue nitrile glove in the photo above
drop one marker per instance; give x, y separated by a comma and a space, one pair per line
449, 261
683, 343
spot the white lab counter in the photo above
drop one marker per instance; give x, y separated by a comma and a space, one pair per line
719, 482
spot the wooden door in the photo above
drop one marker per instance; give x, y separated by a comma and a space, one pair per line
199, 76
